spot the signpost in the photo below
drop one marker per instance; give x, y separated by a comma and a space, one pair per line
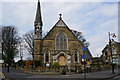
1, 61
84, 58
83, 48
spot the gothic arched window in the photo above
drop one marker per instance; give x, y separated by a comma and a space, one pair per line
76, 56
46, 56
61, 41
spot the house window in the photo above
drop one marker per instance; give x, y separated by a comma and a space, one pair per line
46, 56
61, 41
114, 51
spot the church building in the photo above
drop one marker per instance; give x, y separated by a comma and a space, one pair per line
59, 45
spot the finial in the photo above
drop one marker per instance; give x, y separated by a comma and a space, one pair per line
60, 16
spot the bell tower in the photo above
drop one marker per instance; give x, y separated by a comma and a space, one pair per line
38, 23
38, 35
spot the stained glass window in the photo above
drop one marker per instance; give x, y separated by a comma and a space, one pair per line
61, 41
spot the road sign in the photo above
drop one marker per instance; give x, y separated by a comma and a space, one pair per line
83, 48
83, 57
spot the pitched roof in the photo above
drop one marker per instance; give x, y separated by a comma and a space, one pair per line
62, 24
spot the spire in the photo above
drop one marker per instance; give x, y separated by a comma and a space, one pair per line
38, 18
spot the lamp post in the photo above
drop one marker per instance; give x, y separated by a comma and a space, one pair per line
110, 47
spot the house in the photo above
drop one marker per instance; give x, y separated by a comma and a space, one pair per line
113, 57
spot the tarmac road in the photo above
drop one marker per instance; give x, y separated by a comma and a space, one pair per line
16, 74
115, 78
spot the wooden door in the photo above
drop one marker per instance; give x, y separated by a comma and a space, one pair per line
62, 60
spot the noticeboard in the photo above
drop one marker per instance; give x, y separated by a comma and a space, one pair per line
1, 61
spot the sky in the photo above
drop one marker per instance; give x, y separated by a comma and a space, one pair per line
94, 18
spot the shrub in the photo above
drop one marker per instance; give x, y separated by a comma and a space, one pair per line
37, 63
63, 72
38, 68
118, 66
81, 71
56, 65
73, 70
28, 63
20, 63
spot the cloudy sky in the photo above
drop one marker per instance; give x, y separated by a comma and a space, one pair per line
93, 18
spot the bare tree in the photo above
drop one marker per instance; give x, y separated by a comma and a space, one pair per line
80, 37
9, 43
29, 39
20, 46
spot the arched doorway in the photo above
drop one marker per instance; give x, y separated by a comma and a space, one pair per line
62, 60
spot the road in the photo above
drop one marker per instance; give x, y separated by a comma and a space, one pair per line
15, 73
19, 75
115, 78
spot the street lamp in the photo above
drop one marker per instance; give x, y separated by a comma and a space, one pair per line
110, 47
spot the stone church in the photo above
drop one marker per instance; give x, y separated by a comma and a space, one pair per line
59, 45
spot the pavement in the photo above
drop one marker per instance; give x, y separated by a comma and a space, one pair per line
2, 75
16, 74
115, 78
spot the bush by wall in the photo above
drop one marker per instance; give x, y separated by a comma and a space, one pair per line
20, 63
28, 63
37, 63
56, 65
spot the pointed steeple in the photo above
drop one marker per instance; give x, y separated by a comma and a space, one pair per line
38, 18
38, 23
